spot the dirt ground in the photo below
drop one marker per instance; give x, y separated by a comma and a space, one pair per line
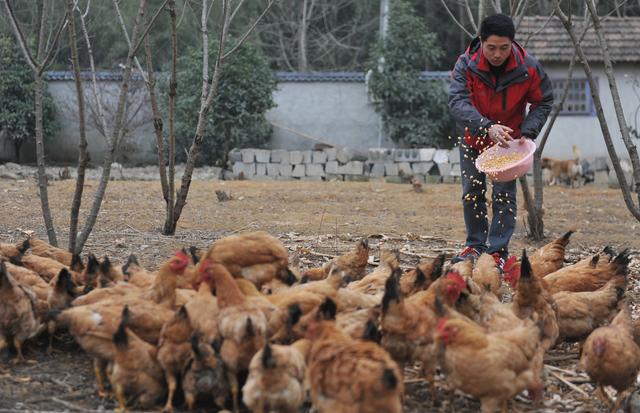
325, 218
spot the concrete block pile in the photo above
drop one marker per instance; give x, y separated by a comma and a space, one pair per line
428, 165
395, 165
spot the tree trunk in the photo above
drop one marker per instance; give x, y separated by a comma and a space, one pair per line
173, 85
17, 145
635, 211
40, 153
42, 177
302, 40
157, 121
615, 95
83, 158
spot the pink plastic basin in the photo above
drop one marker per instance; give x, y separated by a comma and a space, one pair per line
509, 172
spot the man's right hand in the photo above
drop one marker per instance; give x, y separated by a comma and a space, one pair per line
500, 134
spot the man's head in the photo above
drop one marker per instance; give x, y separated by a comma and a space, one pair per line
497, 33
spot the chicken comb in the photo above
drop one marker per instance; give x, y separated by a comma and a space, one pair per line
182, 255
457, 278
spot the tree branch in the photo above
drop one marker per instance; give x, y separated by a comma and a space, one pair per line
453, 17
146, 30
244, 37
18, 33
126, 36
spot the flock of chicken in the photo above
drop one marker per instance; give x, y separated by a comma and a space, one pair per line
238, 323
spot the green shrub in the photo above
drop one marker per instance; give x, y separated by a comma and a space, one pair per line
414, 111
17, 111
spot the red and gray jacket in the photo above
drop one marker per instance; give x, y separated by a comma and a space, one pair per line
476, 101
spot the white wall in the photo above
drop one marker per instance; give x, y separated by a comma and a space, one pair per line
334, 112
585, 131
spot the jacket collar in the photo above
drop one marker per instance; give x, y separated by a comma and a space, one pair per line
516, 68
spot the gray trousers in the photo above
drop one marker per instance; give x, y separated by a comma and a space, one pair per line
503, 220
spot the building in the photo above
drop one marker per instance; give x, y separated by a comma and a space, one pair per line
577, 123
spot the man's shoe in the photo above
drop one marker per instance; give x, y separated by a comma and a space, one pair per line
466, 254
499, 260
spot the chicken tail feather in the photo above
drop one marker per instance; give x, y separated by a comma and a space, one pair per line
371, 332
391, 293
267, 357
65, 282
389, 379
622, 261
436, 272
120, 338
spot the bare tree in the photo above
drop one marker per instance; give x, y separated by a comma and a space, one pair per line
624, 129
210, 90
46, 45
116, 133
83, 156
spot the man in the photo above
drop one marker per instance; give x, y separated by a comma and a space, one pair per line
492, 83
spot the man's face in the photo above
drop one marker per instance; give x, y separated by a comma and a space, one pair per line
496, 49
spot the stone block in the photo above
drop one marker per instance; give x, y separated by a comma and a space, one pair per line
279, 156
235, 155
420, 178
406, 155
404, 168
261, 169
319, 157
454, 155
377, 169
393, 179
601, 177
441, 156
263, 177
421, 167
455, 169
285, 170
248, 155
306, 157
299, 171
356, 178
426, 154
448, 179
311, 178
246, 169
295, 157
433, 179
345, 155
331, 167
273, 169
613, 179
263, 155
378, 155
600, 163
331, 153
334, 177
391, 169
315, 169
443, 169
352, 168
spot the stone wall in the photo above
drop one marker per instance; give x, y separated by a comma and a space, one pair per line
346, 164
429, 165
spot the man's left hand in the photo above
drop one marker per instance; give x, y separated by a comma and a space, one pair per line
522, 139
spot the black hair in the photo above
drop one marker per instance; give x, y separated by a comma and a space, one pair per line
498, 25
